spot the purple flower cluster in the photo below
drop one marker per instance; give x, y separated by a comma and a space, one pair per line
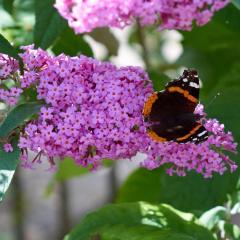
93, 111
205, 158
84, 16
8, 66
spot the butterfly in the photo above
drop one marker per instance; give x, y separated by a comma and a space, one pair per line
170, 113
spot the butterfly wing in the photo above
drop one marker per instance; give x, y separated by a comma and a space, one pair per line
182, 133
170, 112
188, 87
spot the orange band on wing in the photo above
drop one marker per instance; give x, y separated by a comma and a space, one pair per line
155, 137
148, 104
184, 92
189, 134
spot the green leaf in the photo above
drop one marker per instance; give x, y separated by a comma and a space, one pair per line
225, 107
159, 80
213, 48
211, 218
24, 7
68, 169
192, 193
8, 5
104, 36
72, 44
111, 222
118, 232
8, 164
17, 117
235, 209
49, 24
236, 3
7, 48
214, 51
232, 231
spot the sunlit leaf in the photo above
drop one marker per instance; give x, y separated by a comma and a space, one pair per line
232, 231
210, 218
127, 221
8, 164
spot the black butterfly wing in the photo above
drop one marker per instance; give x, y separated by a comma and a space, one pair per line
180, 96
187, 84
170, 112
186, 90
171, 118
181, 133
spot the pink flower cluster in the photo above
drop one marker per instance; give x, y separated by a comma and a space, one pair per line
84, 16
93, 111
205, 158
8, 66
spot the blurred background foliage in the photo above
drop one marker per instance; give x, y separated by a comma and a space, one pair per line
214, 51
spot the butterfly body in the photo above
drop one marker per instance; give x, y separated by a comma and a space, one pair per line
170, 113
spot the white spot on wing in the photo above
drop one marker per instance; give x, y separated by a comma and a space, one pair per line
185, 80
202, 133
194, 85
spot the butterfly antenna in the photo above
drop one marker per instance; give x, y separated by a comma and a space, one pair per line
213, 99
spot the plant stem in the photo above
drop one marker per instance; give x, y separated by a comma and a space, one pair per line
64, 214
142, 41
113, 182
18, 209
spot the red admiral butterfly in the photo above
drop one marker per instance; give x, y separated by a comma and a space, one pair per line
170, 113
